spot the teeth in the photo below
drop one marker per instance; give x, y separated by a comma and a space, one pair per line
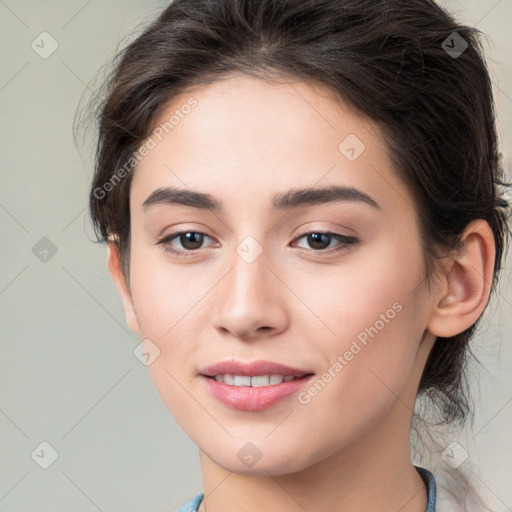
242, 380
255, 382
261, 380
276, 379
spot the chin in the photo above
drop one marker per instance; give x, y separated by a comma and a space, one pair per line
251, 461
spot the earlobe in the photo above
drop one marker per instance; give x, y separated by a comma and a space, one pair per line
467, 283
114, 268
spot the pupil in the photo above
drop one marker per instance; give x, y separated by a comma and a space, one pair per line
316, 236
189, 238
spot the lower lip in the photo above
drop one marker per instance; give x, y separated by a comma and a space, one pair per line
247, 398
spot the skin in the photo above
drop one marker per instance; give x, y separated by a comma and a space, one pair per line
348, 448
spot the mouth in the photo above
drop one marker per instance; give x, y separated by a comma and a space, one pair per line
255, 381
253, 386
232, 370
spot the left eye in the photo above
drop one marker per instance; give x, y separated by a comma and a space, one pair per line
321, 238
193, 240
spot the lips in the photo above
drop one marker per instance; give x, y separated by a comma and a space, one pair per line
239, 385
252, 369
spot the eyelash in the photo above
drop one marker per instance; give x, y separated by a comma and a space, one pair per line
345, 242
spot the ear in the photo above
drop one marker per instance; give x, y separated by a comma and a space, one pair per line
465, 287
114, 267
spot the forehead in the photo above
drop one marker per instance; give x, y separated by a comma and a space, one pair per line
242, 137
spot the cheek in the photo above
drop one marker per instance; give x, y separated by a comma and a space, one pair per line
372, 295
372, 327
164, 295
171, 304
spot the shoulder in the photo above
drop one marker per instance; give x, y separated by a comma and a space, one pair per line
452, 491
192, 505
455, 493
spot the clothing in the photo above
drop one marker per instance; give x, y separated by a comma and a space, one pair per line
192, 505
430, 482
425, 474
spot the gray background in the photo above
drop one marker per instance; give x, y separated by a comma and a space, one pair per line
68, 375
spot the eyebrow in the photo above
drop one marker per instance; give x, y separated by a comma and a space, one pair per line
294, 198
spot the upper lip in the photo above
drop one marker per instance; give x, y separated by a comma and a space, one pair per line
252, 369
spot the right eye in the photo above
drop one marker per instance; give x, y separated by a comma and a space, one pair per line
186, 238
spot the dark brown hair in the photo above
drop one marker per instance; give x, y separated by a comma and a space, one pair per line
407, 65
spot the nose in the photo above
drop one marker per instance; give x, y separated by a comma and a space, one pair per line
251, 301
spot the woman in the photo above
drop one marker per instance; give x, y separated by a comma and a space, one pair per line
302, 205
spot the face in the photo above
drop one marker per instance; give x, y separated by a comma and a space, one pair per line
329, 285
